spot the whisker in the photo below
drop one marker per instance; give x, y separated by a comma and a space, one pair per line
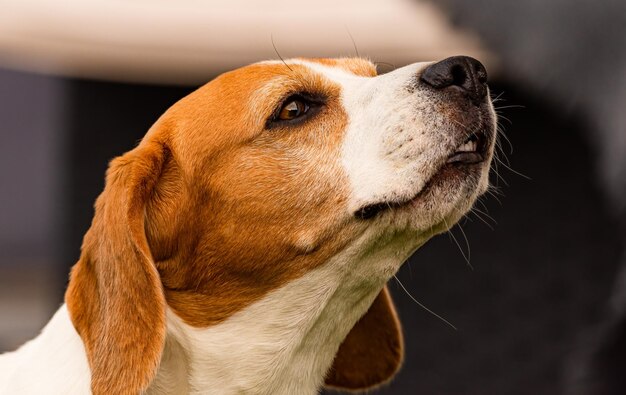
353, 42
501, 154
510, 106
480, 201
497, 190
469, 250
496, 170
276, 50
514, 171
504, 136
458, 245
481, 219
422, 305
493, 195
478, 211
504, 118
497, 98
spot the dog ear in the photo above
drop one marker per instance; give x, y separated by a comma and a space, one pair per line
372, 353
115, 297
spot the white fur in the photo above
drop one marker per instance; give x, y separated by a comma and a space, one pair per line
284, 343
54, 363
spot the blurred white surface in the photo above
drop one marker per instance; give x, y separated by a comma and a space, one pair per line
188, 41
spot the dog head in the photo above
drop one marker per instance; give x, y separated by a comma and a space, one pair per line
264, 175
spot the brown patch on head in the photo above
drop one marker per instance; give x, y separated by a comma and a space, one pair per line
259, 207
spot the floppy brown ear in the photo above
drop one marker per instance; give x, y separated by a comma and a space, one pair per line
372, 352
115, 296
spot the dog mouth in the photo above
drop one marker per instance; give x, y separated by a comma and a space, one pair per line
471, 151
468, 154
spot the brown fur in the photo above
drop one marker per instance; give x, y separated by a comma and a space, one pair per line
209, 214
115, 296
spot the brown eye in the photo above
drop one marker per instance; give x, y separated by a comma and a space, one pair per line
292, 109
295, 109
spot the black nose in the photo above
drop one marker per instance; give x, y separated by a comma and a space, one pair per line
458, 71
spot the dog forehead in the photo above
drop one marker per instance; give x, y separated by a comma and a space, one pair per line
339, 67
337, 70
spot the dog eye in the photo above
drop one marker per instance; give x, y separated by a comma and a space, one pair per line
295, 109
292, 109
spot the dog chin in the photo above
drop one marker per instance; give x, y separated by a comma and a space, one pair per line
445, 199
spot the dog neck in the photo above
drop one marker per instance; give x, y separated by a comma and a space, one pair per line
284, 343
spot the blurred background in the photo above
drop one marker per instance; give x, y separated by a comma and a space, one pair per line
544, 309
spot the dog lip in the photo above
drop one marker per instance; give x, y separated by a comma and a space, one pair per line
369, 211
470, 151
466, 158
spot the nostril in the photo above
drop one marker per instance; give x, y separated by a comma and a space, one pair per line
458, 74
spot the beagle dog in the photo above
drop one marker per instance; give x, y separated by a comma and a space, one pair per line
244, 245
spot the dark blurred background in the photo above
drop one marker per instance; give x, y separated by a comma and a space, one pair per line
542, 311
